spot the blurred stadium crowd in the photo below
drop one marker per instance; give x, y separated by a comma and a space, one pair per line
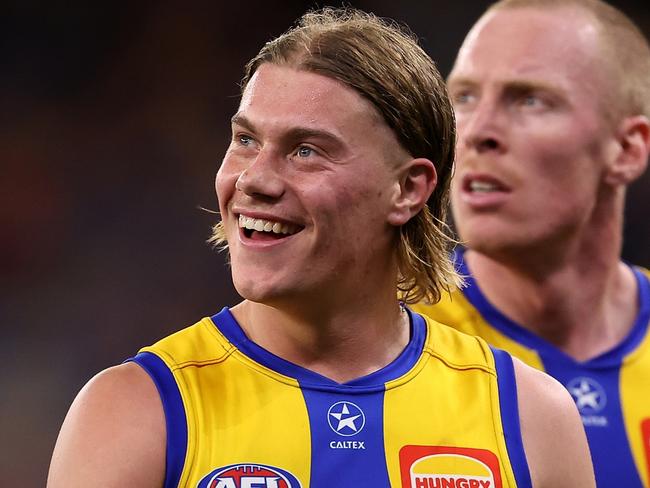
114, 117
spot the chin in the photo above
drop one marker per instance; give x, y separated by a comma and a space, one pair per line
259, 290
492, 232
483, 234
479, 240
516, 248
252, 290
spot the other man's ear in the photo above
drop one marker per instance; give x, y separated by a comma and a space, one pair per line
634, 147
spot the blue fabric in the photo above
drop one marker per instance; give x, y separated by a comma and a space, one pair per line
174, 415
347, 439
373, 382
510, 417
596, 380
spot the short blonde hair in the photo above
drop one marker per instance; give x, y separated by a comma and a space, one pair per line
384, 63
626, 53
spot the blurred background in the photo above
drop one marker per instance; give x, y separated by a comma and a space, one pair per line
114, 117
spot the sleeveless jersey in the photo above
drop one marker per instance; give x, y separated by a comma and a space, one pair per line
442, 415
611, 391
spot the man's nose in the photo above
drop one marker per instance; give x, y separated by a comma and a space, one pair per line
262, 177
483, 129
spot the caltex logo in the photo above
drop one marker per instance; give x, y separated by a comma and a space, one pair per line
346, 418
589, 396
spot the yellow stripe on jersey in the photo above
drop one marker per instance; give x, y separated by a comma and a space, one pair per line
412, 397
635, 397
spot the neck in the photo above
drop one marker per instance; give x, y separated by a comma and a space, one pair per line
577, 294
341, 342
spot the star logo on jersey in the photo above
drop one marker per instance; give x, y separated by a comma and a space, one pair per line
588, 394
346, 418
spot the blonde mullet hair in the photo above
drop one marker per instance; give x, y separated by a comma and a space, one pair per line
383, 62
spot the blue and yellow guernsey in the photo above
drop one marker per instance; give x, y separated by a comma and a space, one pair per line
612, 391
442, 415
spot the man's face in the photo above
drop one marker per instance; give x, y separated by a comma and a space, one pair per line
305, 187
533, 143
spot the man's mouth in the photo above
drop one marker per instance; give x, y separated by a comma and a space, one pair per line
482, 187
266, 229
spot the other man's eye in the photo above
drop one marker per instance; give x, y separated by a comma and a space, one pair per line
304, 151
534, 100
463, 97
531, 100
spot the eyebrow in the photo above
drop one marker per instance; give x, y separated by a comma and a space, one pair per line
294, 133
516, 85
454, 80
239, 119
528, 85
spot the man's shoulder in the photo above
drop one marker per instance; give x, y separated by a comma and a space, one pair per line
644, 271
456, 311
542, 397
453, 309
119, 410
196, 344
456, 348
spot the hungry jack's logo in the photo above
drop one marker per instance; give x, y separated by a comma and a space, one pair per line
645, 435
448, 467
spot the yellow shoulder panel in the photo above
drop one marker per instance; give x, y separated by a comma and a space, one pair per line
457, 312
188, 346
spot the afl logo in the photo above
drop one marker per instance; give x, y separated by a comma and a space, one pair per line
588, 394
249, 476
346, 418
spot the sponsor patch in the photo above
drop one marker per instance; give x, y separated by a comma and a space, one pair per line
645, 435
448, 467
590, 398
249, 476
346, 418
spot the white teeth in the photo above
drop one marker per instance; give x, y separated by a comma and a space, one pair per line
482, 186
266, 225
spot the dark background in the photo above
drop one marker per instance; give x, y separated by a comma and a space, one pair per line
113, 121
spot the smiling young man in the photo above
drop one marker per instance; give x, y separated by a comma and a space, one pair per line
552, 100
330, 194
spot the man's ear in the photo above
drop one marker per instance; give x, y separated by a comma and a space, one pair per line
417, 180
634, 147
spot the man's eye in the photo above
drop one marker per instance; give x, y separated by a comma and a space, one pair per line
462, 98
530, 100
534, 101
304, 152
244, 140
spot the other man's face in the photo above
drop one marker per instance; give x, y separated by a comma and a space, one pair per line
533, 144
